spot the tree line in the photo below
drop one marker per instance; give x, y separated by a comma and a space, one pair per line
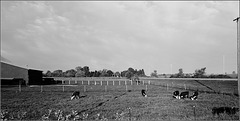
130, 73
85, 72
199, 73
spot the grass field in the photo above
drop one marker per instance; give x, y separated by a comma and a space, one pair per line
113, 102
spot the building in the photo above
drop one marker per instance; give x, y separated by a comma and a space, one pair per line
12, 75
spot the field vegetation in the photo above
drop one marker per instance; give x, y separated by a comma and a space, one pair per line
119, 102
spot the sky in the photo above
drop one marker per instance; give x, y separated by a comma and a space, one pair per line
150, 35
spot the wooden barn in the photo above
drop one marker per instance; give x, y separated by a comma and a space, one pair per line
13, 75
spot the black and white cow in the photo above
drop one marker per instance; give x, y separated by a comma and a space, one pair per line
76, 94
194, 96
176, 94
227, 110
184, 95
144, 93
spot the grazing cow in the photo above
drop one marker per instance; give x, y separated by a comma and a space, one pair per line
184, 95
76, 94
194, 96
144, 93
176, 94
232, 111
227, 110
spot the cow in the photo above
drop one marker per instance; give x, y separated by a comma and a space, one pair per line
227, 110
176, 94
184, 95
76, 94
194, 96
144, 93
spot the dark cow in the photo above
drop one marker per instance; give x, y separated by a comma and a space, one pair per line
227, 110
144, 93
194, 96
76, 95
184, 95
176, 94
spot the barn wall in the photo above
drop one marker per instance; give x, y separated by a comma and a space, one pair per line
35, 77
11, 71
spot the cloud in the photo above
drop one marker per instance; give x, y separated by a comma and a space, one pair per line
118, 35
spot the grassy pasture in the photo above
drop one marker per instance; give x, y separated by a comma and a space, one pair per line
211, 86
114, 103
219, 86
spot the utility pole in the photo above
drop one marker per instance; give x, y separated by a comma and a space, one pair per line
238, 55
223, 64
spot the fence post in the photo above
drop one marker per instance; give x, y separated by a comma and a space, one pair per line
146, 88
107, 82
119, 83
95, 82
88, 82
41, 88
149, 82
126, 88
69, 82
194, 113
20, 86
131, 82
167, 86
62, 81
75, 81
84, 88
101, 83
105, 88
82, 82
185, 87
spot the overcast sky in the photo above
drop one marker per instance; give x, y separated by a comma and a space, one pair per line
159, 35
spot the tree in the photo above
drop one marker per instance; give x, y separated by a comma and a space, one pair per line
180, 73
123, 73
57, 73
48, 74
110, 73
79, 68
199, 73
80, 73
86, 70
131, 70
104, 73
135, 78
141, 73
117, 74
154, 74
129, 74
70, 73
96, 73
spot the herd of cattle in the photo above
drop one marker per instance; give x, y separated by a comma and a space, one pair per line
183, 95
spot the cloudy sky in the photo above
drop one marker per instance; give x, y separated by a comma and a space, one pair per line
159, 35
